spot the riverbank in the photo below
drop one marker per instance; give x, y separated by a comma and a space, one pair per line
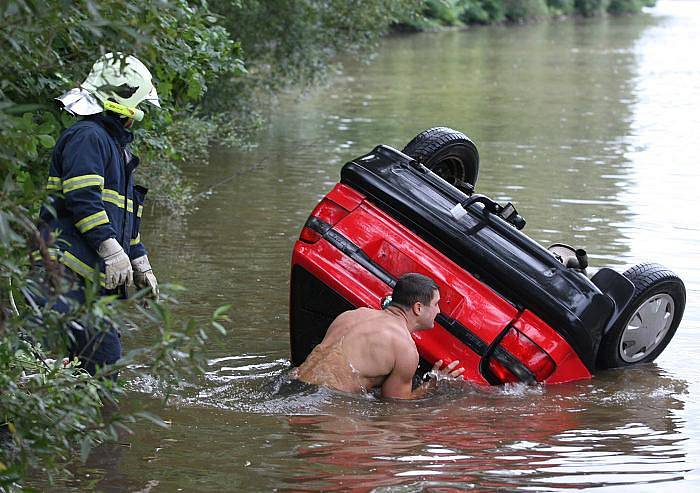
436, 14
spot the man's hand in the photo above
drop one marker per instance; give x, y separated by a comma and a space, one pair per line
144, 276
118, 269
448, 370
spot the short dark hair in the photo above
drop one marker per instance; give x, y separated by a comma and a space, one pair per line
411, 288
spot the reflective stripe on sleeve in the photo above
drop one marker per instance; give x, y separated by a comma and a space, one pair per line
140, 211
80, 267
92, 221
114, 197
135, 241
83, 181
53, 184
53, 254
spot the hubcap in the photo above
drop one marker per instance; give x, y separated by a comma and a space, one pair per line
647, 327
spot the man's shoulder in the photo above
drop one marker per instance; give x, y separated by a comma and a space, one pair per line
85, 130
405, 351
396, 336
362, 311
365, 309
403, 341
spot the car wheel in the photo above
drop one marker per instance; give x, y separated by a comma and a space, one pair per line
448, 153
648, 323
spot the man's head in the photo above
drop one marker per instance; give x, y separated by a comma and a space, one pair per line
418, 296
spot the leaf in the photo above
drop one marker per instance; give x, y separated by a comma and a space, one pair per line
221, 311
220, 328
7, 234
85, 447
46, 141
152, 418
16, 109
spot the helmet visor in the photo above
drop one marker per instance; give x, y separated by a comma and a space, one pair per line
152, 97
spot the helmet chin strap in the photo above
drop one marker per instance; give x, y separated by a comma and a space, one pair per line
120, 109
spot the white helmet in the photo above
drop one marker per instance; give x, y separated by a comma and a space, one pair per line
117, 83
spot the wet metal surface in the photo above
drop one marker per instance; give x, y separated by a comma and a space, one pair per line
590, 127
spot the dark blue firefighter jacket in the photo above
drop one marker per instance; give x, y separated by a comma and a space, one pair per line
93, 195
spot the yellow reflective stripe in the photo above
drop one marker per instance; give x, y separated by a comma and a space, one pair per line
92, 221
38, 257
80, 267
135, 241
140, 211
114, 197
83, 181
70, 261
53, 183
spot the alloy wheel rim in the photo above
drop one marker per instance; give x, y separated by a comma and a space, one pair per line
647, 327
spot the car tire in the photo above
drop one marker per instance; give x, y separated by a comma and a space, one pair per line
447, 153
648, 323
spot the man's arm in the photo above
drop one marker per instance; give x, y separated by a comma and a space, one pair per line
84, 160
401, 386
398, 385
82, 185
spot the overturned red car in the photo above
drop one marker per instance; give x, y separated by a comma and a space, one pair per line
512, 310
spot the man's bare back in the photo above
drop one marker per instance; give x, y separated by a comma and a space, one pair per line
366, 348
359, 351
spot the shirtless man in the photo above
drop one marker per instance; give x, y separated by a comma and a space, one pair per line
367, 348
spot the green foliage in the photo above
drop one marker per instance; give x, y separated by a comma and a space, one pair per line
445, 12
525, 10
617, 7
560, 7
435, 13
50, 46
290, 42
590, 8
49, 412
483, 11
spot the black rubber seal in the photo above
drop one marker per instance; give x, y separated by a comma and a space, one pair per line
503, 356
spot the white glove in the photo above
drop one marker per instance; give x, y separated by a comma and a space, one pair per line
118, 269
144, 276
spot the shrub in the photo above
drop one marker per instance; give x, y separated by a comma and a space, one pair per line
590, 8
445, 12
294, 42
617, 7
48, 411
51, 45
482, 11
524, 10
560, 7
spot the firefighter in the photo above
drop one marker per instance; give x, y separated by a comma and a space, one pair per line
93, 228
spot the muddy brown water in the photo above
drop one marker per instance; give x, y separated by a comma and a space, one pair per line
590, 126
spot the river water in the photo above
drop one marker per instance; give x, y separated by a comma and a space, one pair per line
590, 126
